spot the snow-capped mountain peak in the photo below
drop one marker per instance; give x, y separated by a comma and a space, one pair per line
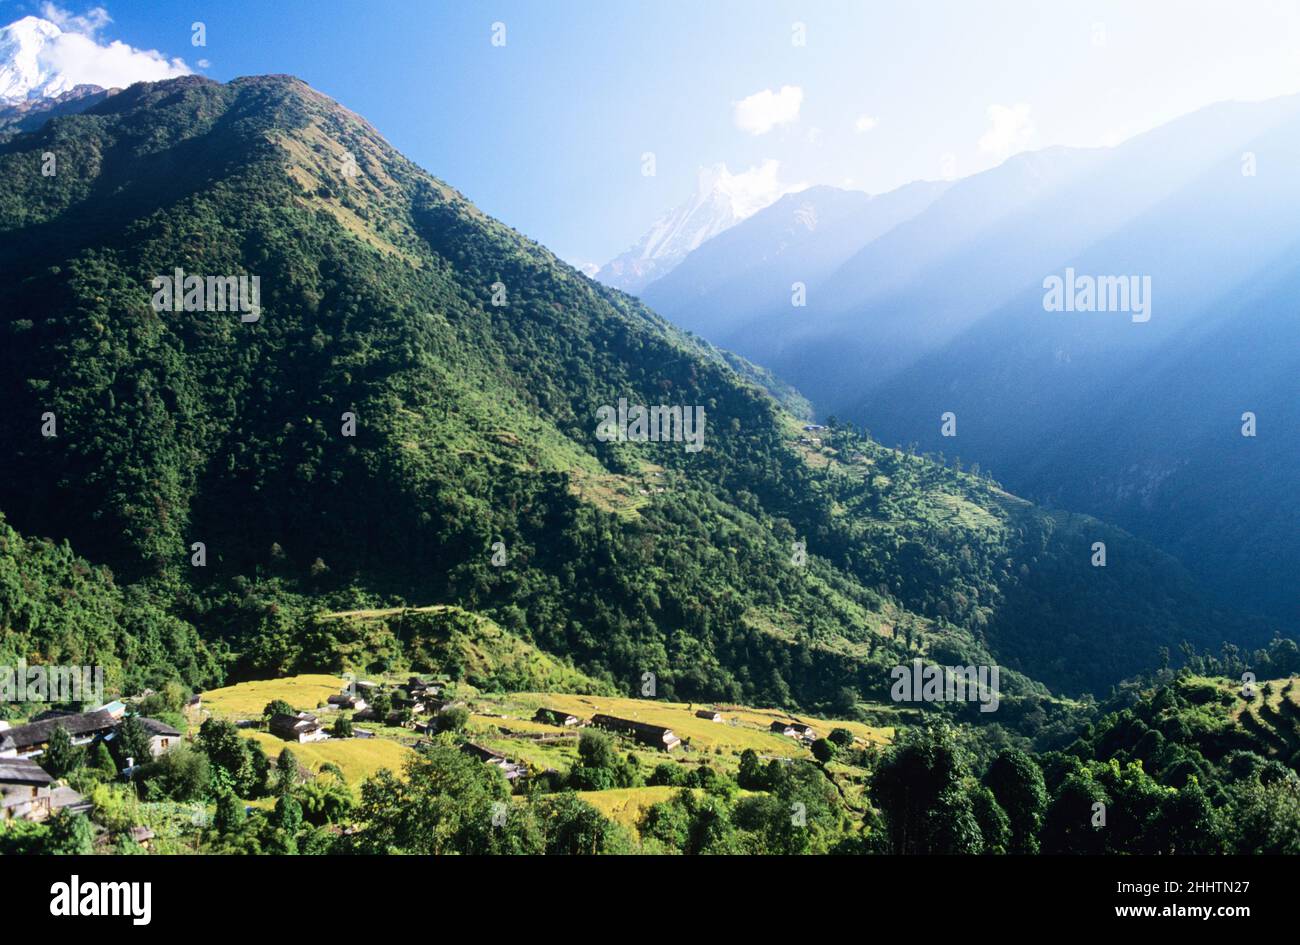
25, 70
721, 200
41, 60
710, 210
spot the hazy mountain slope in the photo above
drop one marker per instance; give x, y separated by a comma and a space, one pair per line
886, 296
1138, 423
475, 423
1141, 422
736, 288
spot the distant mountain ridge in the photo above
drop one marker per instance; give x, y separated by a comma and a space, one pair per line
30, 114
725, 290
1136, 423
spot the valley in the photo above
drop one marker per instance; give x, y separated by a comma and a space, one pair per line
444, 547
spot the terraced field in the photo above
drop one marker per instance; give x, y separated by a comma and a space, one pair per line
741, 728
246, 700
627, 805
504, 723
1272, 720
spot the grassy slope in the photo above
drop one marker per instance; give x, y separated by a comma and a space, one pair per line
246, 700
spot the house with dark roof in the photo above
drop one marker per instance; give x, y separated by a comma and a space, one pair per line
346, 700
27, 792
24, 790
419, 688
442, 705
513, 770
162, 737
656, 736
303, 727
794, 729
556, 717
30, 740
712, 715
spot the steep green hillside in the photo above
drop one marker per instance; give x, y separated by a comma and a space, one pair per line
475, 423
55, 608
447, 639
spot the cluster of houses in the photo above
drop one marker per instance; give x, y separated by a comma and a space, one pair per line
84, 728
416, 697
27, 791
812, 440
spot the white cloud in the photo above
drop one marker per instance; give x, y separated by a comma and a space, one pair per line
78, 55
1010, 130
864, 123
751, 190
88, 24
761, 112
584, 266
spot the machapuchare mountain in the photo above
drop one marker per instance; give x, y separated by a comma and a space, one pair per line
721, 200
1133, 411
411, 418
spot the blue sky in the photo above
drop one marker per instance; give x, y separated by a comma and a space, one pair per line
548, 131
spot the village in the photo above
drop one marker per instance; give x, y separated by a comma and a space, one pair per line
350, 729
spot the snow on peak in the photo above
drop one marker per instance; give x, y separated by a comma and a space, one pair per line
721, 200
22, 73
39, 60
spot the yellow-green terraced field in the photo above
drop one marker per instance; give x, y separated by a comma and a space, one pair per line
358, 758
246, 700
741, 728
627, 805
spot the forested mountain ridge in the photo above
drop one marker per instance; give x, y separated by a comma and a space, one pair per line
472, 363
